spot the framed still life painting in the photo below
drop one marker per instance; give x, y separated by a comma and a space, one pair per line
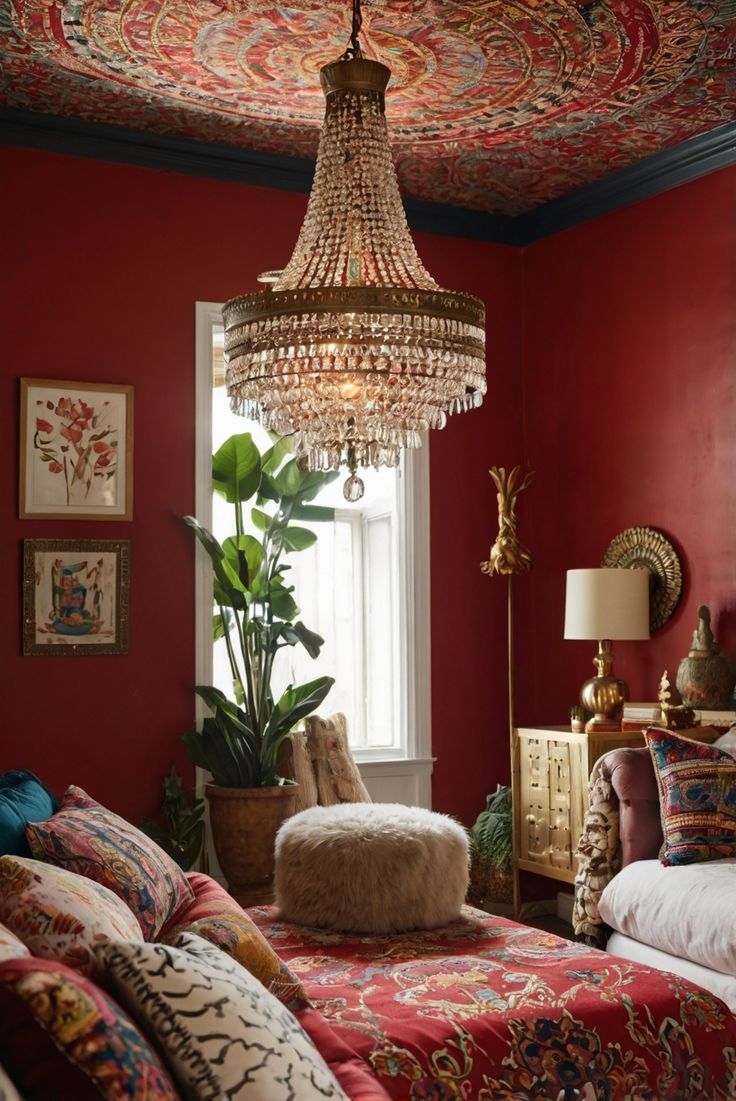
75, 596
76, 450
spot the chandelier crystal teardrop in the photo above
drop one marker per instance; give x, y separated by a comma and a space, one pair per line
353, 347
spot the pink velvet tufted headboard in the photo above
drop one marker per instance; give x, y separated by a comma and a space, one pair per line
632, 777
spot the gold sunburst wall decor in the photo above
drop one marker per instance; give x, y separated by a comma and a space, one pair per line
648, 549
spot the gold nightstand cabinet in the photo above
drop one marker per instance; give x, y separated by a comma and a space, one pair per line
550, 771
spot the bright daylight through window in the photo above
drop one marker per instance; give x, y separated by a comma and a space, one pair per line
355, 587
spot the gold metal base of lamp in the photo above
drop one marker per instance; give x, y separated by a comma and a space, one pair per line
604, 695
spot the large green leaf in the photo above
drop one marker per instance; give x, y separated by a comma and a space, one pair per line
295, 633
218, 701
230, 597
227, 582
245, 555
236, 468
227, 744
313, 513
207, 539
221, 624
283, 603
296, 703
267, 490
298, 539
238, 747
260, 519
272, 459
208, 750
289, 479
195, 748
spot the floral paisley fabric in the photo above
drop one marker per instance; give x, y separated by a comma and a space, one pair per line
87, 838
62, 1038
11, 947
60, 915
221, 1032
494, 1011
697, 798
217, 917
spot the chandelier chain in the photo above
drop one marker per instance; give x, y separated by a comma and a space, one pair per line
354, 49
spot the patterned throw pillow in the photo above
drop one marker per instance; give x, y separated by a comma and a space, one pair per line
11, 947
697, 798
60, 915
221, 1032
87, 838
63, 1038
8, 1092
216, 916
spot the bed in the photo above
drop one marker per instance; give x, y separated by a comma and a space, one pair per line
491, 1010
679, 919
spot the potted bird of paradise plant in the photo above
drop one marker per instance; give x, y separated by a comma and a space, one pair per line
241, 743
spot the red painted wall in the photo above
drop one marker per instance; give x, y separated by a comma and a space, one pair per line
469, 700
629, 411
611, 373
102, 265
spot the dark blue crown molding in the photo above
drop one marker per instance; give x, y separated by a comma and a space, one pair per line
662, 171
99, 141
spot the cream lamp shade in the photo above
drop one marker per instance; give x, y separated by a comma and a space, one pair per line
607, 603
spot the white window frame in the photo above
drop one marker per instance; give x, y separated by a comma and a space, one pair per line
389, 779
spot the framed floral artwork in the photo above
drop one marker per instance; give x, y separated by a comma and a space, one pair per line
76, 450
75, 596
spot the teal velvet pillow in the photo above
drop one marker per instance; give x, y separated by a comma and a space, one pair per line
23, 799
697, 798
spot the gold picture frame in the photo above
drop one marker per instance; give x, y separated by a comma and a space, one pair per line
75, 597
76, 450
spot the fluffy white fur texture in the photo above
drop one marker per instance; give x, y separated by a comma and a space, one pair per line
371, 868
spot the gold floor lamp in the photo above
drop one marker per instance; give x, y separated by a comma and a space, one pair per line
508, 557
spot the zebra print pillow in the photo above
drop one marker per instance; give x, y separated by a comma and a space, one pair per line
221, 1032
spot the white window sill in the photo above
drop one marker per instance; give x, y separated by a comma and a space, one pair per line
397, 766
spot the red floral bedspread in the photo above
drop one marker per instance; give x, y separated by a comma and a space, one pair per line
490, 1010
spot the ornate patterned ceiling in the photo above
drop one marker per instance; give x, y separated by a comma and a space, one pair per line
494, 106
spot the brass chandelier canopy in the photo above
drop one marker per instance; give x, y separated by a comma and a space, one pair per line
353, 347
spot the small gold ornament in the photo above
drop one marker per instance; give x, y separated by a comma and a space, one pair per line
507, 555
674, 716
664, 694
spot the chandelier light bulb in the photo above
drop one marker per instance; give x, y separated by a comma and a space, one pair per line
353, 348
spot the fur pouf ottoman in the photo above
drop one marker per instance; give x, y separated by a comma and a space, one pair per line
371, 868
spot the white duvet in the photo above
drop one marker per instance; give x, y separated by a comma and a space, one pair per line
687, 911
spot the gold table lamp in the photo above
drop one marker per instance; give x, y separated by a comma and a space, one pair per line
606, 604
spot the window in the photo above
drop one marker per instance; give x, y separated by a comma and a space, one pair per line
362, 586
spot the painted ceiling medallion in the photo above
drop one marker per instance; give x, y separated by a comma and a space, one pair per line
648, 549
493, 106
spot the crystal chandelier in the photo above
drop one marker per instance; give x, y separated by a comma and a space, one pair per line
353, 347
